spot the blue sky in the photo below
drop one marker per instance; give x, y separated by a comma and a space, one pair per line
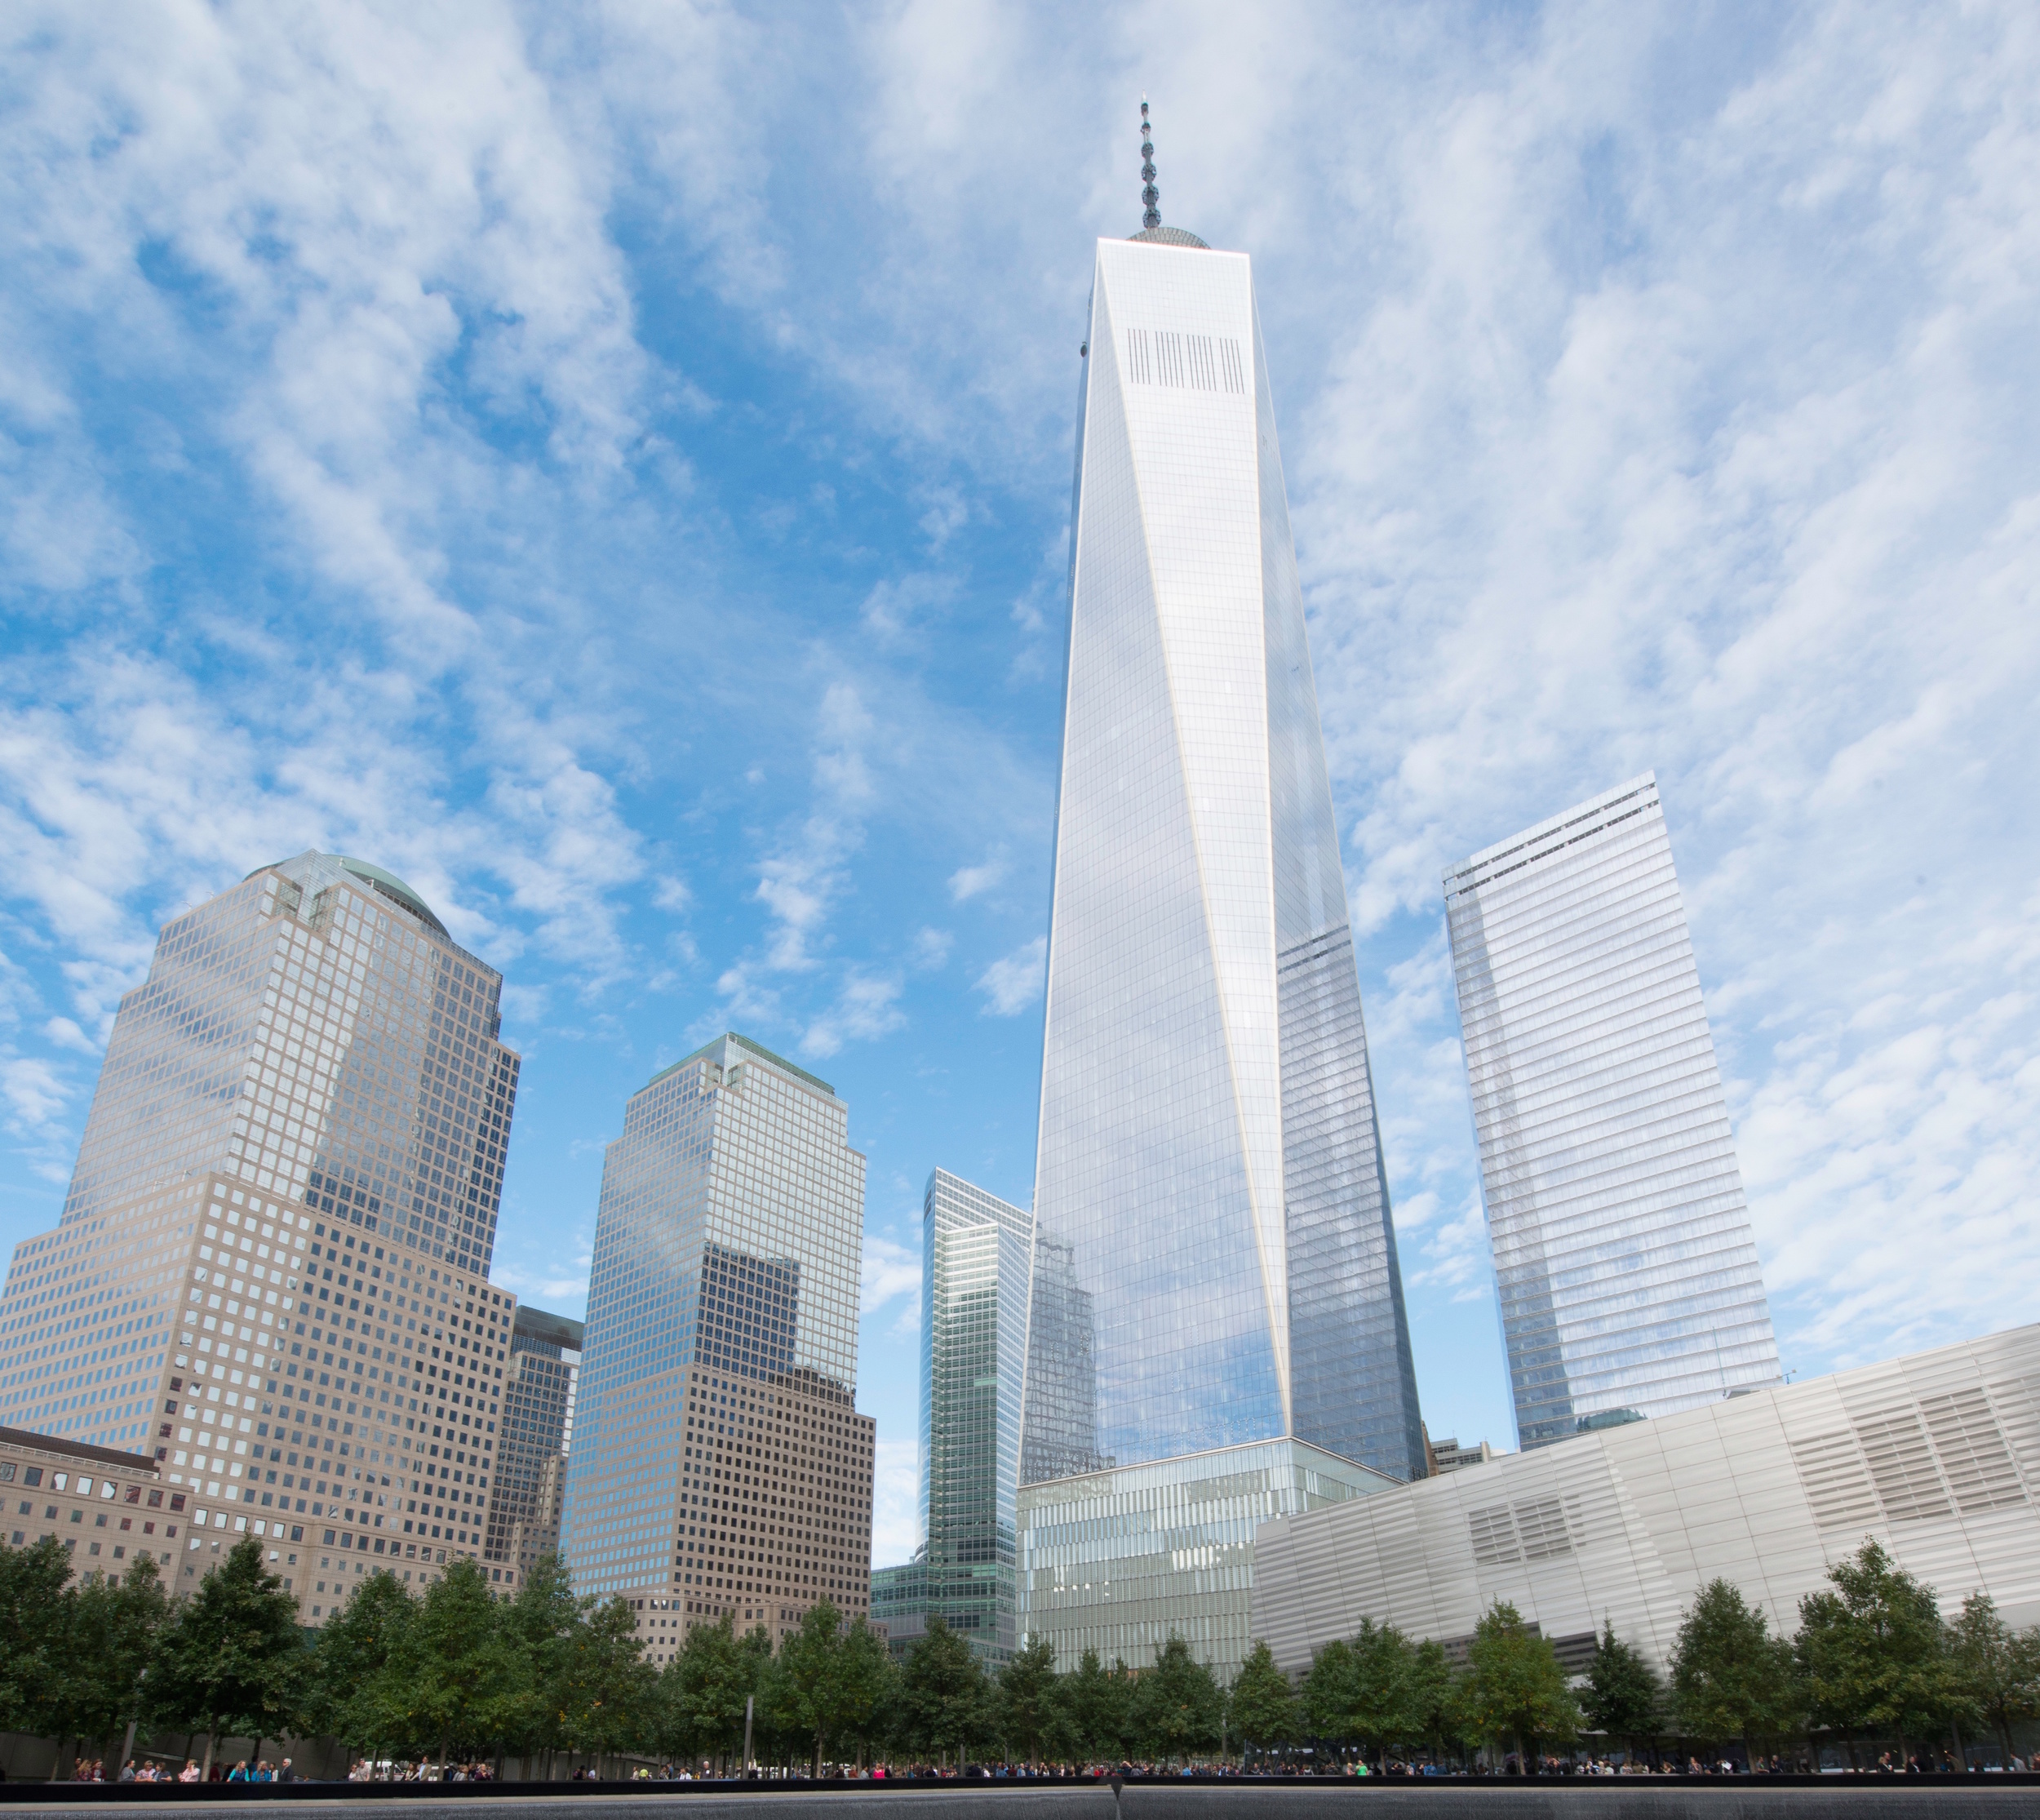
611, 464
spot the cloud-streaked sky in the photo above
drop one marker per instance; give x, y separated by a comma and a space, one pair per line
611, 464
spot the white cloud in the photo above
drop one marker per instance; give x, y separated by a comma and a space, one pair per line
865, 1009
895, 1501
967, 882
1014, 982
931, 948
890, 1270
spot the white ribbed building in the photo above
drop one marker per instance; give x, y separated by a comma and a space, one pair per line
1937, 1456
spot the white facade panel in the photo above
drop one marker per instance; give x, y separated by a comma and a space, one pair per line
1628, 1524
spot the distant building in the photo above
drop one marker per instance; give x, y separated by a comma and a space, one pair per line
271, 1274
1624, 1260
1450, 1456
899, 1604
1937, 1456
976, 1253
537, 1435
719, 1464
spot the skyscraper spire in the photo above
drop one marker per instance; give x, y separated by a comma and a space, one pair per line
1152, 218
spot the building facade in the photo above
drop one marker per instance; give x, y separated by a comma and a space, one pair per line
1937, 1456
1625, 1265
977, 1254
1217, 1261
719, 1464
270, 1275
537, 1435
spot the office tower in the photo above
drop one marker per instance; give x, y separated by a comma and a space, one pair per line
1627, 1274
719, 1463
976, 1253
537, 1435
271, 1271
1208, 1151
899, 1604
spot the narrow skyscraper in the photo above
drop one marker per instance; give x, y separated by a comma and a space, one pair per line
1216, 1245
538, 1435
719, 1463
976, 1251
1626, 1270
271, 1271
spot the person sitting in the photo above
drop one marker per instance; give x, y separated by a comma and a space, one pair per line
189, 1773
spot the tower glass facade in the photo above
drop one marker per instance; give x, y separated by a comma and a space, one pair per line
271, 1271
1625, 1265
538, 1435
1216, 1247
719, 1464
976, 1251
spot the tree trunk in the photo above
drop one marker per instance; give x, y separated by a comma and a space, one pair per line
127, 1748
254, 1757
204, 1768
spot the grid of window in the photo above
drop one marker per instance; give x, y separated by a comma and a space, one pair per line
1216, 1245
1624, 1260
717, 1462
976, 1253
257, 1282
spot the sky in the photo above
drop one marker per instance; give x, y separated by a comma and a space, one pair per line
609, 463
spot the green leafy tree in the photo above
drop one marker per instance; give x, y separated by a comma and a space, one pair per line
31, 1635
1030, 1708
1434, 1696
1263, 1710
945, 1701
1872, 1654
828, 1680
351, 1695
1998, 1668
136, 1613
1177, 1704
610, 1689
1096, 1703
541, 1625
232, 1659
452, 1670
703, 1690
1327, 1698
1731, 1677
1624, 1696
1513, 1687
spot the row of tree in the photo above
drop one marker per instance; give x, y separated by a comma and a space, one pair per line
454, 1671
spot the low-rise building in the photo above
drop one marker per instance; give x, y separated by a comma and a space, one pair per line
1937, 1455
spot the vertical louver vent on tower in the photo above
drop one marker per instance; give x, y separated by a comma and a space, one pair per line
1190, 363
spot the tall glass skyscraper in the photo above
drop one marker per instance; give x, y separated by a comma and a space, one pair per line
976, 1253
271, 1271
1624, 1261
537, 1436
719, 1463
1216, 1247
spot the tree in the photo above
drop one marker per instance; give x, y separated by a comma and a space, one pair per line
704, 1688
233, 1659
1434, 1695
609, 1689
115, 1627
1028, 1707
1362, 1692
1098, 1703
451, 1672
1872, 1654
945, 1701
1624, 1695
1731, 1677
351, 1695
824, 1684
541, 1625
32, 1606
1513, 1687
1263, 1705
1998, 1668
1177, 1705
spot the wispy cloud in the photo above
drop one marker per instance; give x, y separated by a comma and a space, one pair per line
1012, 983
891, 1270
967, 882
